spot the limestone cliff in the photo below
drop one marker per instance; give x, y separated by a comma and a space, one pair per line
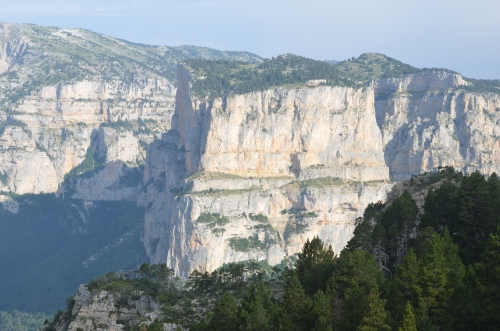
428, 121
59, 87
254, 176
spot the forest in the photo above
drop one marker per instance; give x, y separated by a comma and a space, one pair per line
437, 268
220, 78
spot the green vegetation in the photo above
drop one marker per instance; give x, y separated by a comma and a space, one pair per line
3, 178
247, 244
293, 227
118, 125
483, 85
62, 57
207, 175
371, 66
211, 191
213, 220
259, 218
217, 78
221, 78
49, 243
13, 122
19, 321
88, 165
403, 270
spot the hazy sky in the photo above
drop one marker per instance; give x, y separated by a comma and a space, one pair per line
460, 35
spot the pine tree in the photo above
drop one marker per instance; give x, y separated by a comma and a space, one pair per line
362, 236
399, 220
258, 312
321, 312
476, 216
297, 304
489, 276
225, 314
314, 266
409, 322
433, 289
407, 276
375, 316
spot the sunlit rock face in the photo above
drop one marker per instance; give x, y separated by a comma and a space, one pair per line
249, 176
254, 176
427, 121
60, 87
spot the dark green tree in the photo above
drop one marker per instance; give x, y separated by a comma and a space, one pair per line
488, 272
375, 316
399, 221
258, 311
354, 275
409, 323
477, 216
314, 266
321, 312
297, 304
225, 314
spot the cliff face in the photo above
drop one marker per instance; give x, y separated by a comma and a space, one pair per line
59, 86
108, 311
327, 131
264, 172
249, 176
254, 176
427, 121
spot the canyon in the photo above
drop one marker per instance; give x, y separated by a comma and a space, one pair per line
248, 176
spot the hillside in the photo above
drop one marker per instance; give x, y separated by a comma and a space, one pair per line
404, 269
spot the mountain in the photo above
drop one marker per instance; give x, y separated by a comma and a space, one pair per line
109, 159
58, 86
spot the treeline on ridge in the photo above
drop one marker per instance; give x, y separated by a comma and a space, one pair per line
217, 78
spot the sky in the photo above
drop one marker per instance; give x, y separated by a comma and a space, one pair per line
455, 34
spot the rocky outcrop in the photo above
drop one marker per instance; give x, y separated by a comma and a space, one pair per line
105, 310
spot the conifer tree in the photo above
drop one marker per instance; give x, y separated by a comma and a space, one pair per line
225, 314
258, 312
375, 316
409, 323
489, 276
297, 304
321, 312
314, 266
